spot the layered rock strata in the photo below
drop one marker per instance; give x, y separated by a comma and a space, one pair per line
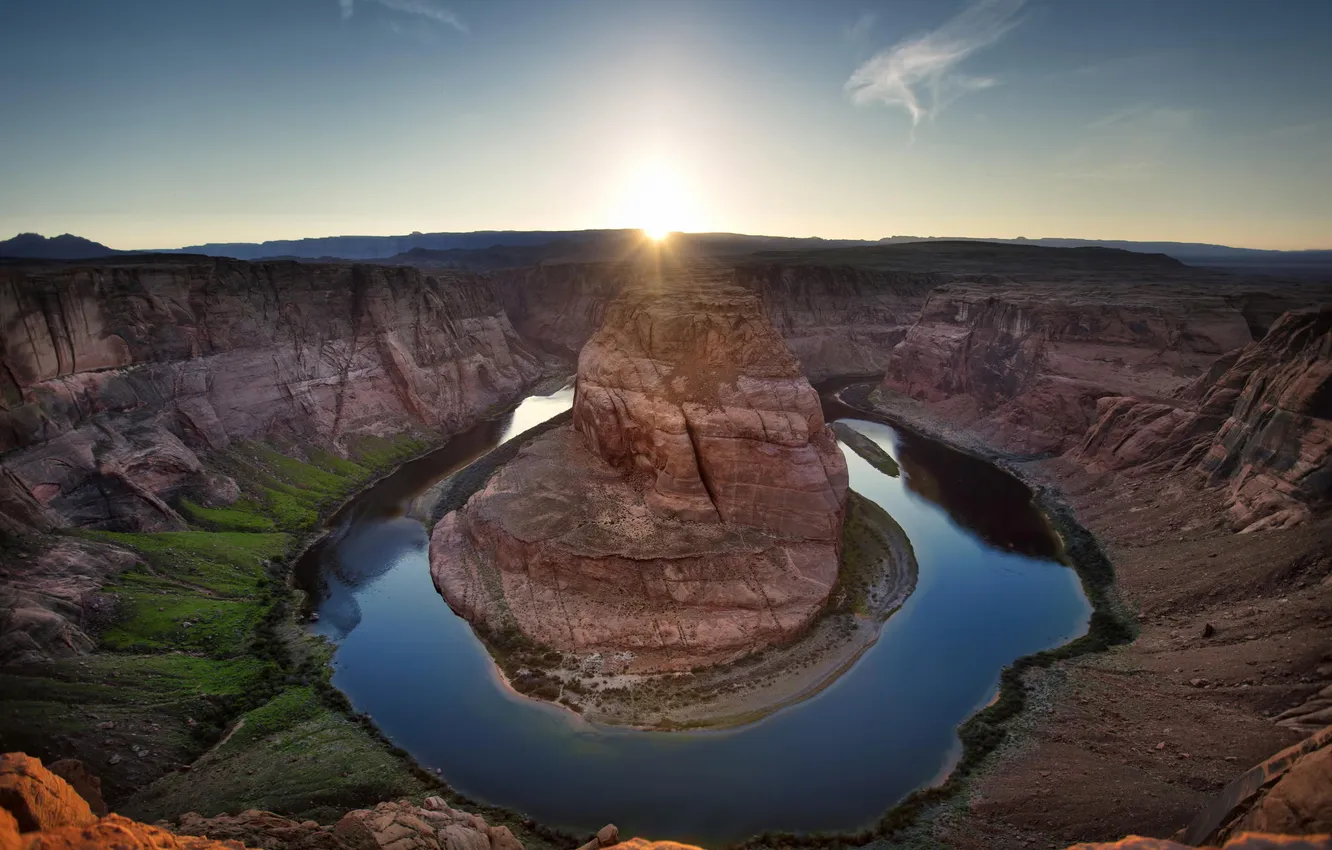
837, 320
691, 514
694, 387
1258, 422
1027, 364
116, 377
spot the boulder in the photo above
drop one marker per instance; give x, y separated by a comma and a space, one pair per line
83, 781
37, 798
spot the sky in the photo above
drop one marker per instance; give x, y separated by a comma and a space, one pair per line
163, 123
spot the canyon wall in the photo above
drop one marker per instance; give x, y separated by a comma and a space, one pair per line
1259, 422
1026, 363
117, 377
837, 320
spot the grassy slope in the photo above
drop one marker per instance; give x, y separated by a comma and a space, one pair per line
202, 634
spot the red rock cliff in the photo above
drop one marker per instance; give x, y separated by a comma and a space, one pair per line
692, 385
116, 376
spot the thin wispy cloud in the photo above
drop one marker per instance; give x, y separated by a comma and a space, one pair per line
1145, 118
862, 26
921, 74
427, 9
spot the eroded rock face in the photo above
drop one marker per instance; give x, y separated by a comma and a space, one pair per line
692, 513
37, 798
49, 601
836, 320
115, 377
693, 386
565, 548
1026, 364
1258, 422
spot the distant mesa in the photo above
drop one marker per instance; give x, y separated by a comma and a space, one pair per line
34, 246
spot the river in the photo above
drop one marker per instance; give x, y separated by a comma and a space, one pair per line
990, 590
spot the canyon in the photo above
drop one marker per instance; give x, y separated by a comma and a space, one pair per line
1181, 415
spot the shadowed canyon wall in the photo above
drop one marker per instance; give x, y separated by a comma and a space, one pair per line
837, 320
117, 377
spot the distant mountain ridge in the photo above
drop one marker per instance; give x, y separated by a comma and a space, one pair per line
576, 242
484, 250
1202, 253
66, 247
537, 245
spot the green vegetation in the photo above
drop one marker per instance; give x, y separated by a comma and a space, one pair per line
382, 452
295, 755
194, 590
284, 492
865, 543
244, 516
107, 707
225, 563
199, 631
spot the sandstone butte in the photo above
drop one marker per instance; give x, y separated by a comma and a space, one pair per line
690, 515
40, 810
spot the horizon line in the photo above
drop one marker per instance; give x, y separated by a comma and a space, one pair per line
862, 241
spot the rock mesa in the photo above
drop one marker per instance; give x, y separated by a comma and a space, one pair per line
690, 515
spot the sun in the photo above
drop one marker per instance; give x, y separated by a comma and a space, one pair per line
655, 201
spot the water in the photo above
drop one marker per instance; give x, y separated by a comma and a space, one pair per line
989, 591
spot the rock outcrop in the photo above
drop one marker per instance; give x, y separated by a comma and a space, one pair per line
36, 798
692, 385
1258, 422
117, 376
41, 811
1026, 364
693, 514
49, 598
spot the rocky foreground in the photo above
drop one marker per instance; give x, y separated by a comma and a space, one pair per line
41, 810
693, 512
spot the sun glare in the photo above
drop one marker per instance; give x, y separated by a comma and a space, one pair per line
656, 202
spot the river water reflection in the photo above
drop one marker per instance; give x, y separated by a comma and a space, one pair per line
989, 591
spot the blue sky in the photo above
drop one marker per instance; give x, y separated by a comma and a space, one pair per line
159, 123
